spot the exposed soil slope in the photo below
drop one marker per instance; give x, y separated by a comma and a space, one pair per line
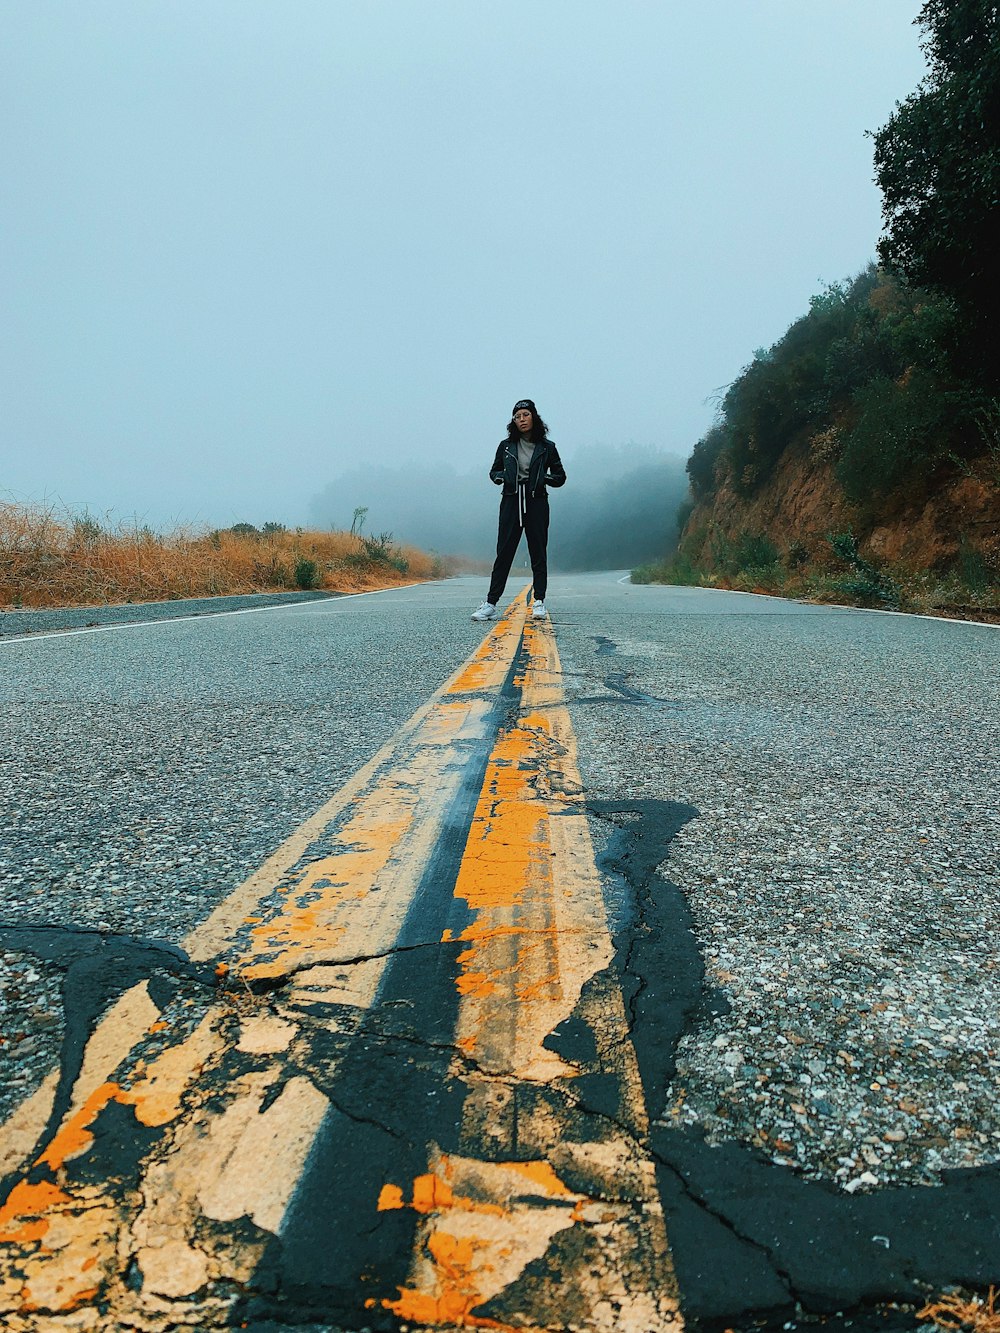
802, 503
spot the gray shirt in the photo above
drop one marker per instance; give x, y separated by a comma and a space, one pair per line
525, 449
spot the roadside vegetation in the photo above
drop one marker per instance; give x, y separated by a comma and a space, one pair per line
48, 558
836, 573
885, 394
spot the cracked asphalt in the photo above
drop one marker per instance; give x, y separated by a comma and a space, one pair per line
794, 811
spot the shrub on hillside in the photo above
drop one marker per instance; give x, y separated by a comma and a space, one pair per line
867, 585
871, 378
702, 465
684, 511
378, 550
901, 432
307, 573
747, 551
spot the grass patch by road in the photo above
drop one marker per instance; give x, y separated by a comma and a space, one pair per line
52, 558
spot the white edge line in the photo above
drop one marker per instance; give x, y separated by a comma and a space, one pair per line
831, 606
193, 615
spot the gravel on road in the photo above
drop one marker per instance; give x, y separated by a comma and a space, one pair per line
841, 871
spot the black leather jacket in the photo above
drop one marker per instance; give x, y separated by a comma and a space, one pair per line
545, 468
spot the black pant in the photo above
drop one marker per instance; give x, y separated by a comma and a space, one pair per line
535, 528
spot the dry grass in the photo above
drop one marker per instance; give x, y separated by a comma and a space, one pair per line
52, 559
977, 1313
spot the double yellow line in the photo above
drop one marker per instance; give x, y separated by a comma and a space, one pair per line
227, 1111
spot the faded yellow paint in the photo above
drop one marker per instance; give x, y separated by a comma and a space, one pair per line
311, 923
477, 1235
266, 1035
23, 1217
506, 879
125, 1023
67, 1266
390, 1198
490, 663
253, 1156
348, 896
123, 1027
69, 1234
172, 1269
75, 1137
542, 1176
157, 1095
432, 1192
20, 1133
538, 933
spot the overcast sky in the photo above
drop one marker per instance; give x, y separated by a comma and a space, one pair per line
247, 244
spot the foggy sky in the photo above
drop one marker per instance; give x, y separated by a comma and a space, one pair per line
253, 244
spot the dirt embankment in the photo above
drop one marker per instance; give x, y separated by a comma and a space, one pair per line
802, 503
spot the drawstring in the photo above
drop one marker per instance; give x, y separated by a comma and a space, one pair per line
522, 501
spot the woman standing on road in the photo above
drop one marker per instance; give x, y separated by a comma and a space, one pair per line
526, 462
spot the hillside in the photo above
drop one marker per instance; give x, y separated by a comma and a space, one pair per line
852, 461
941, 553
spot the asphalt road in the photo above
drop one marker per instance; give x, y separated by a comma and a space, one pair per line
794, 811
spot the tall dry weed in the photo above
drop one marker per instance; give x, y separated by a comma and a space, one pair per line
48, 558
977, 1314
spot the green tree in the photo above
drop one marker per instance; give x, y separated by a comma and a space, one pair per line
937, 162
701, 465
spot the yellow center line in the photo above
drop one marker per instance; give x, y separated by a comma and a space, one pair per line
539, 934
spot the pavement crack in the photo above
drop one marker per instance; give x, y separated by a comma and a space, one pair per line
357, 1119
423, 1043
266, 985
470, 1067
782, 1274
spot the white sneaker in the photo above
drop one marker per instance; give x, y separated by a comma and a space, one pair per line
486, 612
538, 611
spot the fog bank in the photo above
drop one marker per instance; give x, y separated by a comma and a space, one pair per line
617, 509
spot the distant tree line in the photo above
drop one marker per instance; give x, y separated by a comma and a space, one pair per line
893, 375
